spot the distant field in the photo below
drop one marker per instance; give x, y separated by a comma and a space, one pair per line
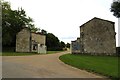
25, 54
104, 65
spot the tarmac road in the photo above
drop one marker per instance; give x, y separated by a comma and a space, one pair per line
41, 66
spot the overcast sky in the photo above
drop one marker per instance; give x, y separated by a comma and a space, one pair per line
63, 17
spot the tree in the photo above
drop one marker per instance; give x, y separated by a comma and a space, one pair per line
12, 22
68, 45
33, 28
43, 31
62, 44
52, 42
115, 8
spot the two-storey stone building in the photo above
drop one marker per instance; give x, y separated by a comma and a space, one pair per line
27, 41
97, 36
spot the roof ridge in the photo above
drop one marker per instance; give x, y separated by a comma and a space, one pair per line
96, 18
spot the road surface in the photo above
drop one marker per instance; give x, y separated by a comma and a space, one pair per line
41, 66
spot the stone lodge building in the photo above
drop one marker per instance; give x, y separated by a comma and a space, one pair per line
97, 37
75, 46
27, 41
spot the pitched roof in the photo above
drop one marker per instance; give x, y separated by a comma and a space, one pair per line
98, 19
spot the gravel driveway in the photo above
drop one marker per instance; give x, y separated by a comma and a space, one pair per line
41, 66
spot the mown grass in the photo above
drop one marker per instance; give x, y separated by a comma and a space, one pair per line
104, 65
16, 54
53, 52
25, 54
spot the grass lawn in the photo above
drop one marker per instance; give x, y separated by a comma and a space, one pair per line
24, 54
104, 65
17, 54
52, 52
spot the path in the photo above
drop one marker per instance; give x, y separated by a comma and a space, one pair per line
41, 66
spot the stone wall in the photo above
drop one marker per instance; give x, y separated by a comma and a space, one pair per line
26, 41
37, 38
41, 39
23, 40
98, 37
75, 46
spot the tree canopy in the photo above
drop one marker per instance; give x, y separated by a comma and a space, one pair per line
52, 42
43, 31
62, 44
68, 45
115, 8
15, 20
12, 22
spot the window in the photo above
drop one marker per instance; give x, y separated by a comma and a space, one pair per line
41, 45
34, 46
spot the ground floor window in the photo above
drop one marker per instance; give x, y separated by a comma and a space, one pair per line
34, 46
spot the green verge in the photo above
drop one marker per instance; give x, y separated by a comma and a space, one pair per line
53, 52
104, 65
17, 54
25, 54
